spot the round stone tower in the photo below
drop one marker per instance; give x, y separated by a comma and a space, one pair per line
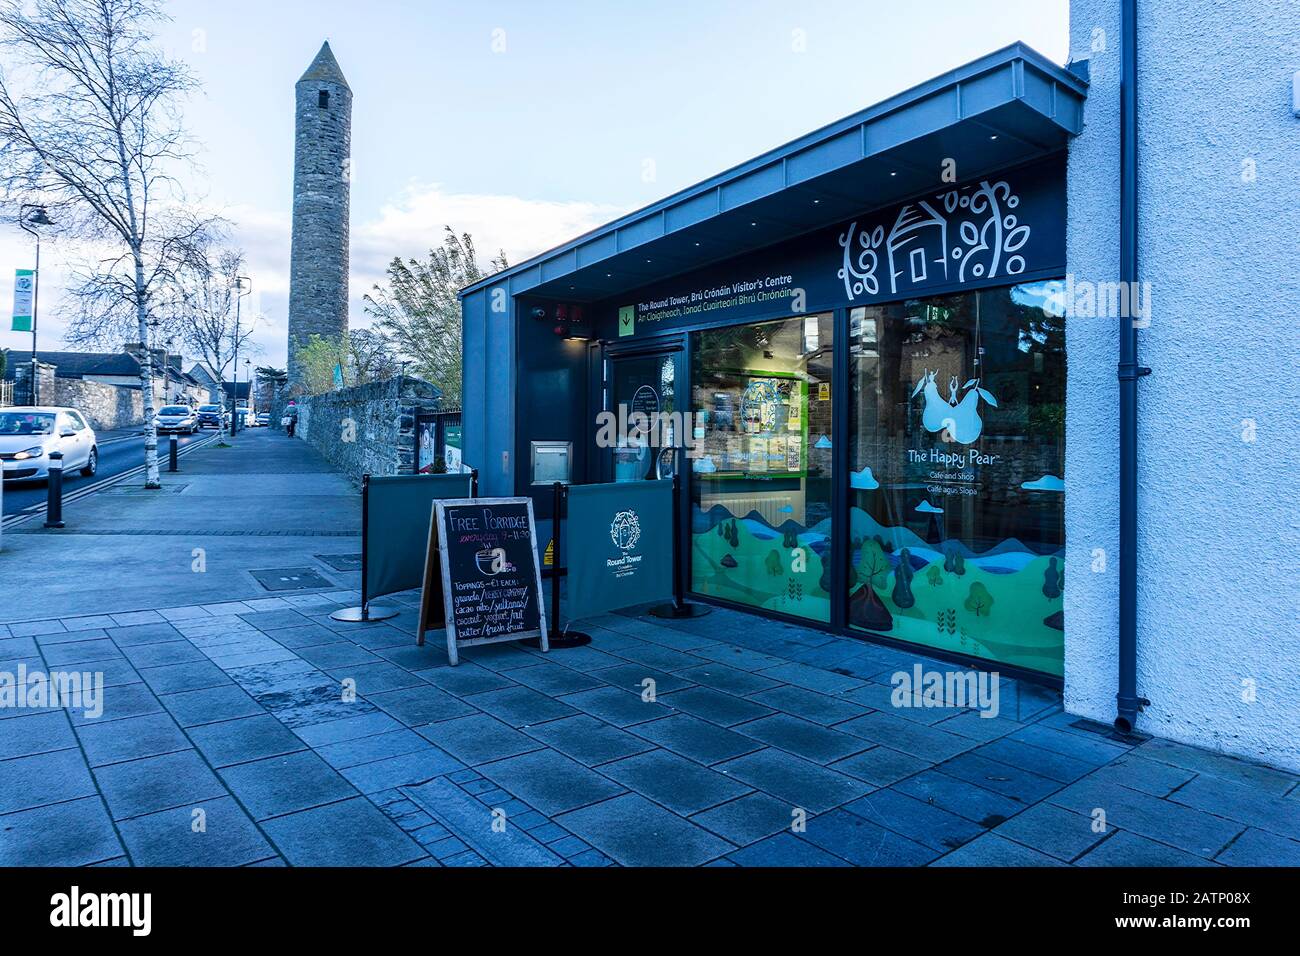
322, 174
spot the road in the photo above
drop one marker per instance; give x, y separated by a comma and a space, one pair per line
114, 458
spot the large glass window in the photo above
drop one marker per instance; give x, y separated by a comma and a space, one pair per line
957, 456
761, 494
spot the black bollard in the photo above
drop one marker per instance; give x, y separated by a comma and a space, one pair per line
54, 505
171, 456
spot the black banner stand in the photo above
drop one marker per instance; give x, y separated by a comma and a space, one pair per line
379, 612
560, 637
679, 609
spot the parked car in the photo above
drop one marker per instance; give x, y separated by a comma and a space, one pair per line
263, 420
28, 436
213, 416
176, 418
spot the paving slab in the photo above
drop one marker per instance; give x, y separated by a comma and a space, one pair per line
801, 783
244, 739
275, 786
1052, 830
40, 779
993, 850
549, 781
140, 787
862, 842
1129, 849
505, 844
74, 833
478, 739
681, 785
347, 833
700, 740
635, 832
1162, 821
784, 850
211, 833
588, 740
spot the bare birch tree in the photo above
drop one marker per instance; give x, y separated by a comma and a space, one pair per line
90, 126
201, 303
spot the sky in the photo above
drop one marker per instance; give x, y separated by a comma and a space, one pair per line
524, 123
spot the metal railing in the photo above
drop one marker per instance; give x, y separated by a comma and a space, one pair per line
6, 393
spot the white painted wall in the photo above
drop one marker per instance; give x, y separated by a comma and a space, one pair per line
1219, 536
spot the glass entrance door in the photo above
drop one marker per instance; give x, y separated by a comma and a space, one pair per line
641, 394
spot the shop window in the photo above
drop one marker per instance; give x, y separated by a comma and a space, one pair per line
761, 488
956, 458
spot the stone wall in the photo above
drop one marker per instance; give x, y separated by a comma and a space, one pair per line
368, 429
104, 406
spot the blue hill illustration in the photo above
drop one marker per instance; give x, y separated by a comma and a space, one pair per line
1045, 483
863, 480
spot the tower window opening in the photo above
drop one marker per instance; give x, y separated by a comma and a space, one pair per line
324, 99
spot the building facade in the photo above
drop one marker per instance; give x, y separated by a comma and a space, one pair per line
867, 349
322, 184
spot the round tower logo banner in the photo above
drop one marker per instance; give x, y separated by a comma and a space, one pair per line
625, 530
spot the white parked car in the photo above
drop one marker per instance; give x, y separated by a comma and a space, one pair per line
28, 435
176, 418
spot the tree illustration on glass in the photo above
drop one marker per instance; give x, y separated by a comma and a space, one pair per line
934, 576
902, 595
979, 600
774, 564
1052, 581
873, 566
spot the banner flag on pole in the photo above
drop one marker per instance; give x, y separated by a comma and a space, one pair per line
619, 548
24, 287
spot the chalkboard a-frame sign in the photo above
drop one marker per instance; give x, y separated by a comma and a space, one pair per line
481, 579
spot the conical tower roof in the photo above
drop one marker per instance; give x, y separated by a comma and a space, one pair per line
325, 69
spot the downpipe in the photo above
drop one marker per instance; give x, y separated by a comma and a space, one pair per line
1128, 702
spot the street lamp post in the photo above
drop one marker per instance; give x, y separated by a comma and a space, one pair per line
248, 377
239, 283
167, 368
38, 217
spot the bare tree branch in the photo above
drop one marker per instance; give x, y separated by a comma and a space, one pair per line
90, 127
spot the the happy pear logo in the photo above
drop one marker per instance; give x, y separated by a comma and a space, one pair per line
625, 530
957, 420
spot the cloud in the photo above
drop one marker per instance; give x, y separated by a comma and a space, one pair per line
928, 509
1045, 483
412, 224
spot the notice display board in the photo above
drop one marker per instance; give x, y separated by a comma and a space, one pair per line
394, 529
481, 579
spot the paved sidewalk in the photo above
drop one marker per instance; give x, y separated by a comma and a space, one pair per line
267, 502
260, 731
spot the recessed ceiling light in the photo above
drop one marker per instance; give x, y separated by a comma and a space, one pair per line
994, 136
816, 202
893, 174
753, 224
697, 244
